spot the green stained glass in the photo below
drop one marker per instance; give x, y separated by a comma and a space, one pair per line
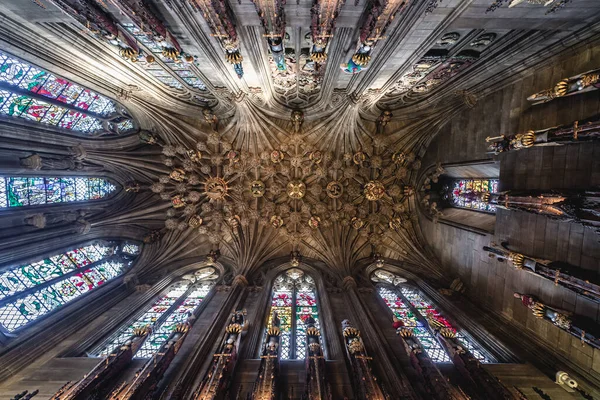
288, 287
159, 309
18, 79
32, 290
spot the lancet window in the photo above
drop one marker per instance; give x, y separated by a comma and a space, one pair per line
20, 191
295, 299
33, 94
176, 305
467, 193
415, 310
32, 290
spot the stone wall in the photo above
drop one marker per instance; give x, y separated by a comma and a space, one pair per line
577, 166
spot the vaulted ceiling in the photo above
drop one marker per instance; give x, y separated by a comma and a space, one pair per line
285, 103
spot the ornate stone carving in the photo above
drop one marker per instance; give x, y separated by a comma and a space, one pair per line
366, 385
266, 384
581, 327
577, 132
105, 370
217, 378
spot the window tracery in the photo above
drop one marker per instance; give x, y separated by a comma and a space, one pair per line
30, 291
295, 299
467, 193
180, 301
33, 94
416, 311
20, 191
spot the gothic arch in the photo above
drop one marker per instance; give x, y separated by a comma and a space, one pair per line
42, 99
464, 313
35, 288
327, 326
184, 297
440, 191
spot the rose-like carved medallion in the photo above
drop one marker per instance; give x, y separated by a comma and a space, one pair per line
335, 189
215, 188
296, 189
374, 190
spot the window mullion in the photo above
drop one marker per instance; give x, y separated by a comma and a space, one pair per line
32, 95
293, 333
173, 307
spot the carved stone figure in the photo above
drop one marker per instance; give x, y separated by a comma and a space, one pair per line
265, 387
584, 82
579, 280
481, 381
105, 370
581, 327
148, 378
577, 132
316, 387
433, 382
366, 385
37, 162
578, 206
297, 120
217, 379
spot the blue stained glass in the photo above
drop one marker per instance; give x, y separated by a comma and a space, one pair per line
462, 193
28, 191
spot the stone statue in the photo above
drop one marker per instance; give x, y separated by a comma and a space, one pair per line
577, 279
107, 369
577, 132
584, 82
146, 380
317, 387
432, 381
586, 329
481, 381
37, 163
266, 384
579, 206
42, 220
366, 385
297, 119
218, 377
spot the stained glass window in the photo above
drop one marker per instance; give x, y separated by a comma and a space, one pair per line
32, 290
294, 299
464, 193
411, 307
181, 68
430, 344
174, 307
427, 309
31, 93
19, 191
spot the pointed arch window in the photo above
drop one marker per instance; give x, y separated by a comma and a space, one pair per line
466, 193
295, 299
21, 191
33, 94
415, 310
181, 300
33, 290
